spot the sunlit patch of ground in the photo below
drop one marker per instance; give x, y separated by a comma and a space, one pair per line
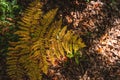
109, 44
105, 56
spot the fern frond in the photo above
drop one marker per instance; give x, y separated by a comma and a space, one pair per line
19, 62
48, 18
62, 32
14, 69
41, 40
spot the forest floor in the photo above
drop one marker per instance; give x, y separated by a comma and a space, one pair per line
98, 24
99, 27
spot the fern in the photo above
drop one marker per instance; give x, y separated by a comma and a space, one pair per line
40, 38
23, 65
64, 41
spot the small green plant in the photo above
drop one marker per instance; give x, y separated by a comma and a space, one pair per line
7, 9
7, 25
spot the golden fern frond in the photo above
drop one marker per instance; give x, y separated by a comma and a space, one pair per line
14, 69
48, 18
40, 38
49, 33
65, 41
52, 42
39, 47
31, 67
77, 43
19, 59
62, 32
61, 49
39, 54
57, 27
46, 21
